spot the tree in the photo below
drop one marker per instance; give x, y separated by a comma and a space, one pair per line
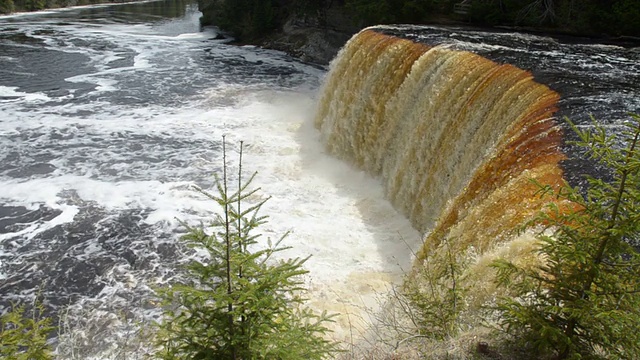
628, 14
240, 303
24, 337
584, 300
542, 10
6, 6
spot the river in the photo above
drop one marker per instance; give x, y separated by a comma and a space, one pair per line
109, 114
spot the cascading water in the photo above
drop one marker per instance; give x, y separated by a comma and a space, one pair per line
456, 139
108, 114
440, 127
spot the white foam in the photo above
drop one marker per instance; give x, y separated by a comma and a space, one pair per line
65, 9
195, 36
103, 84
335, 213
66, 216
10, 92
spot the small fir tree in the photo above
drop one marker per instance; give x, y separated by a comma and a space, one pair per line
241, 303
23, 336
584, 301
435, 295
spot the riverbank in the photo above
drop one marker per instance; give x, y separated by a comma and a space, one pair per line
315, 33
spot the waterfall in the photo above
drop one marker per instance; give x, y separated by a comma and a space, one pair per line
454, 138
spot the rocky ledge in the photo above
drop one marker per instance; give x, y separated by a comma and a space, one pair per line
312, 39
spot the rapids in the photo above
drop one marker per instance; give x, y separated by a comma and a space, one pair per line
108, 115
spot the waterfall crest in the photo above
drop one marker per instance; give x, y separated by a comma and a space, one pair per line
454, 137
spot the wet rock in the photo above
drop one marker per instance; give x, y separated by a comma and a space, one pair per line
313, 39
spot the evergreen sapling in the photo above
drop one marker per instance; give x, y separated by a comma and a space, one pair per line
242, 303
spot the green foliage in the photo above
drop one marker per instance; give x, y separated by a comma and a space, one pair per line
627, 13
371, 12
310, 7
240, 303
435, 294
30, 5
254, 19
584, 301
6, 6
24, 337
594, 17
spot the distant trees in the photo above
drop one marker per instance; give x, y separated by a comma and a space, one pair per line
9, 6
6, 6
398, 11
30, 5
618, 17
252, 19
246, 19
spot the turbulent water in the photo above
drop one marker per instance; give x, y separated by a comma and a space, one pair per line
109, 114
456, 138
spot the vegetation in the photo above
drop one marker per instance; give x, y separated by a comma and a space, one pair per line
580, 300
23, 336
418, 319
6, 6
373, 12
253, 19
241, 303
591, 17
246, 19
584, 301
436, 296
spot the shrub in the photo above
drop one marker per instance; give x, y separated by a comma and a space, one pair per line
435, 294
240, 303
24, 337
584, 300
